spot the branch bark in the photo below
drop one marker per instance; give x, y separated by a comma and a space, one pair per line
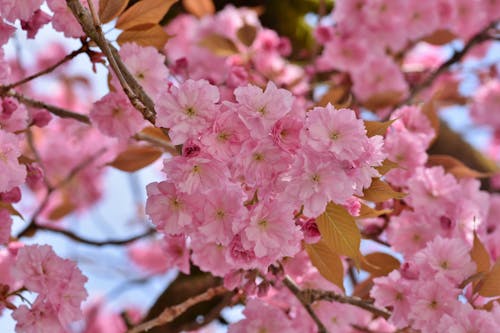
295, 289
91, 26
175, 311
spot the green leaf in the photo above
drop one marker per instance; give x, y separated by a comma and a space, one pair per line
327, 262
339, 231
367, 212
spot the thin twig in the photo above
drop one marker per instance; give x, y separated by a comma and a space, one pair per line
83, 240
67, 58
295, 289
175, 311
58, 111
312, 295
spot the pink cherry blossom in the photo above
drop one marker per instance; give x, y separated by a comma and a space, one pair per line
147, 66
188, 110
168, 207
337, 131
115, 116
272, 231
449, 257
274, 321
393, 291
5, 226
259, 109
40, 318
13, 173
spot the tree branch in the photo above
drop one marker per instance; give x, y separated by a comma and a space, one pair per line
91, 26
175, 311
82, 240
478, 38
295, 289
60, 112
67, 58
312, 295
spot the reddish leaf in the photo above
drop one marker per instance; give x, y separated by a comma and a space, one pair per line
199, 8
440, 37
377, 127
145, 36
144, 12
454, 166
246, 34
380, 191
110, 9
136, 158
339, 231
327, 262
379, 264
219, 45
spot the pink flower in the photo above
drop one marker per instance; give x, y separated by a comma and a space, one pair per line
58, 281
337, 131
5, 226
40, 318
188, 110
431, 302
13, 10
13, 173
314, 181
432, 190
6, 30
64, 20
147, 66
448, 257
168, 208
210, 256
286, 133
221, 213
259, 109
275, 319
177, 252
487, 99
226, 137
115, 116
192, 174
272, 230
37, 20
394, 291
379, 76
261, 162
149, 256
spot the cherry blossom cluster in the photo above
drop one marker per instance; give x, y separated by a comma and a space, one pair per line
372, 33
248, 166
260, 61
58, 283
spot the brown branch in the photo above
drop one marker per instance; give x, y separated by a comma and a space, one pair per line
83, 240
295, 289
175, 311
67, 58
312, 295
58, 111
91, 26
478, 38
